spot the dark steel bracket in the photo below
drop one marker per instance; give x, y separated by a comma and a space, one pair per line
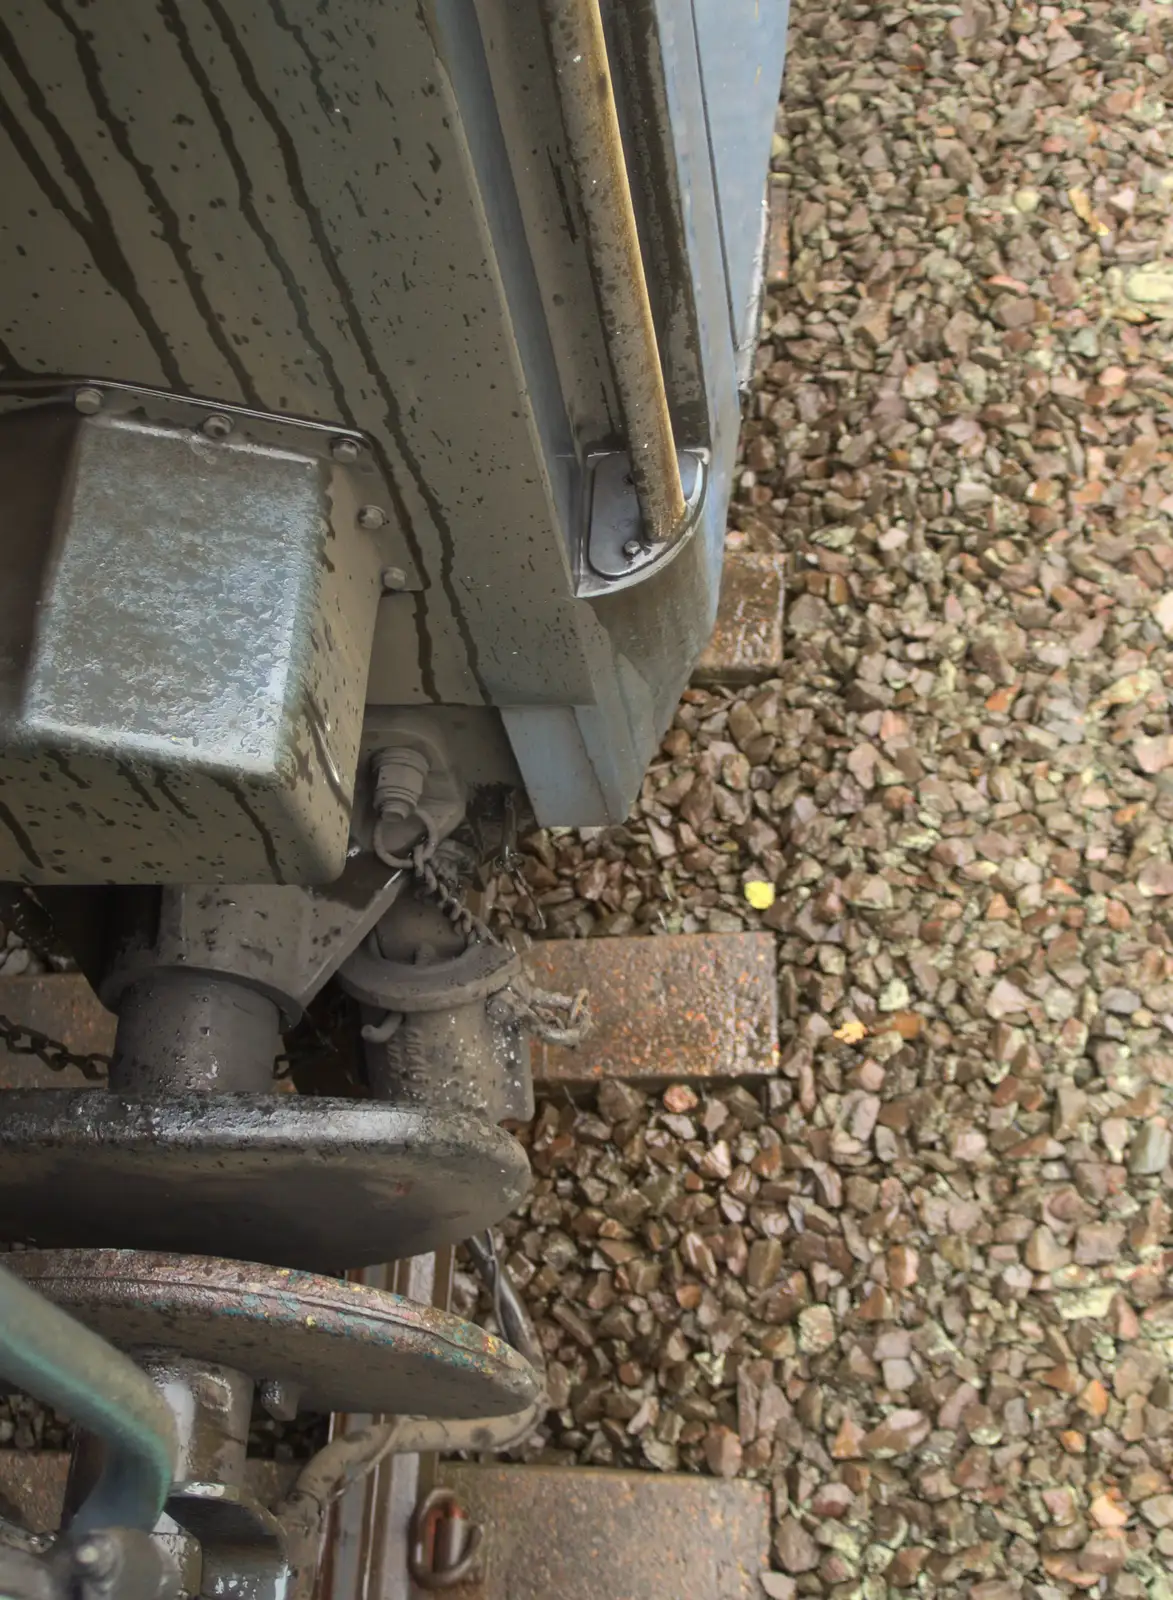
461, 980
616, 548
242, 1544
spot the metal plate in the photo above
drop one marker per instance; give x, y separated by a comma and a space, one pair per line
304, 1182
345, 1346
184, 640
741, 49
614, 524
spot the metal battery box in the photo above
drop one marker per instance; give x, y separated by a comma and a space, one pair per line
187, 600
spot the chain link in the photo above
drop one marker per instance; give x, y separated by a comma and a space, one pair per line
556, 1019
21, 1041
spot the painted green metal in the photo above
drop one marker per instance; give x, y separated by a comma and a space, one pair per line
45, 1352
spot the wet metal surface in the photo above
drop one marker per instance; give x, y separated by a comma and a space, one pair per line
284, 940
747, 639
302, 1181
347, 1347
32, 1485
682, 1006
618, 555
181, 1030
191, 665
587, 1534
394, 295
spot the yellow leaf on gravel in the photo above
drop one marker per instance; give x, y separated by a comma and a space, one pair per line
760, 895
851, 1033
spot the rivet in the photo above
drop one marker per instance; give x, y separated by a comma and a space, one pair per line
371, 517
88, 401
394, 578
632, 549
345, 450
217, 427
280, 1399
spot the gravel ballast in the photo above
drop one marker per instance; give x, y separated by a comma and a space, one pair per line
921, 1282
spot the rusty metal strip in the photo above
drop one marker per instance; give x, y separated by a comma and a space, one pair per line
364, 1554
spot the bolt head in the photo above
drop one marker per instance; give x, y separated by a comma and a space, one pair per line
95, 1556
217, 427
279, 1399
632, 549
345, 450
394, 578
371, 517
88, 401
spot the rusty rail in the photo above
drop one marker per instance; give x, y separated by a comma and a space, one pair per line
578, 48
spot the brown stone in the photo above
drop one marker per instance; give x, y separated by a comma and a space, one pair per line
903, 1266
900, 1432
832, 1500
1044, 1253
795, 1548
723, 1452
848, 1443
907, 1565
765, 1263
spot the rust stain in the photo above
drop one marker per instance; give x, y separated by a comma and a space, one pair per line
747, 640
679, 1006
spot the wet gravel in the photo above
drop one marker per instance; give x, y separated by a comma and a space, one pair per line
921, 1283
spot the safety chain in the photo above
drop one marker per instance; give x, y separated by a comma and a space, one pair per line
21, 1041
557, 1019
562, 1019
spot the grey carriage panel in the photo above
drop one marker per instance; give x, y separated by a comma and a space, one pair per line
268, 204
311, 211
742, 46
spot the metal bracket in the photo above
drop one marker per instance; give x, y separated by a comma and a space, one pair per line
242, 1544
466, 979
614, 540
358, 490
282, 940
